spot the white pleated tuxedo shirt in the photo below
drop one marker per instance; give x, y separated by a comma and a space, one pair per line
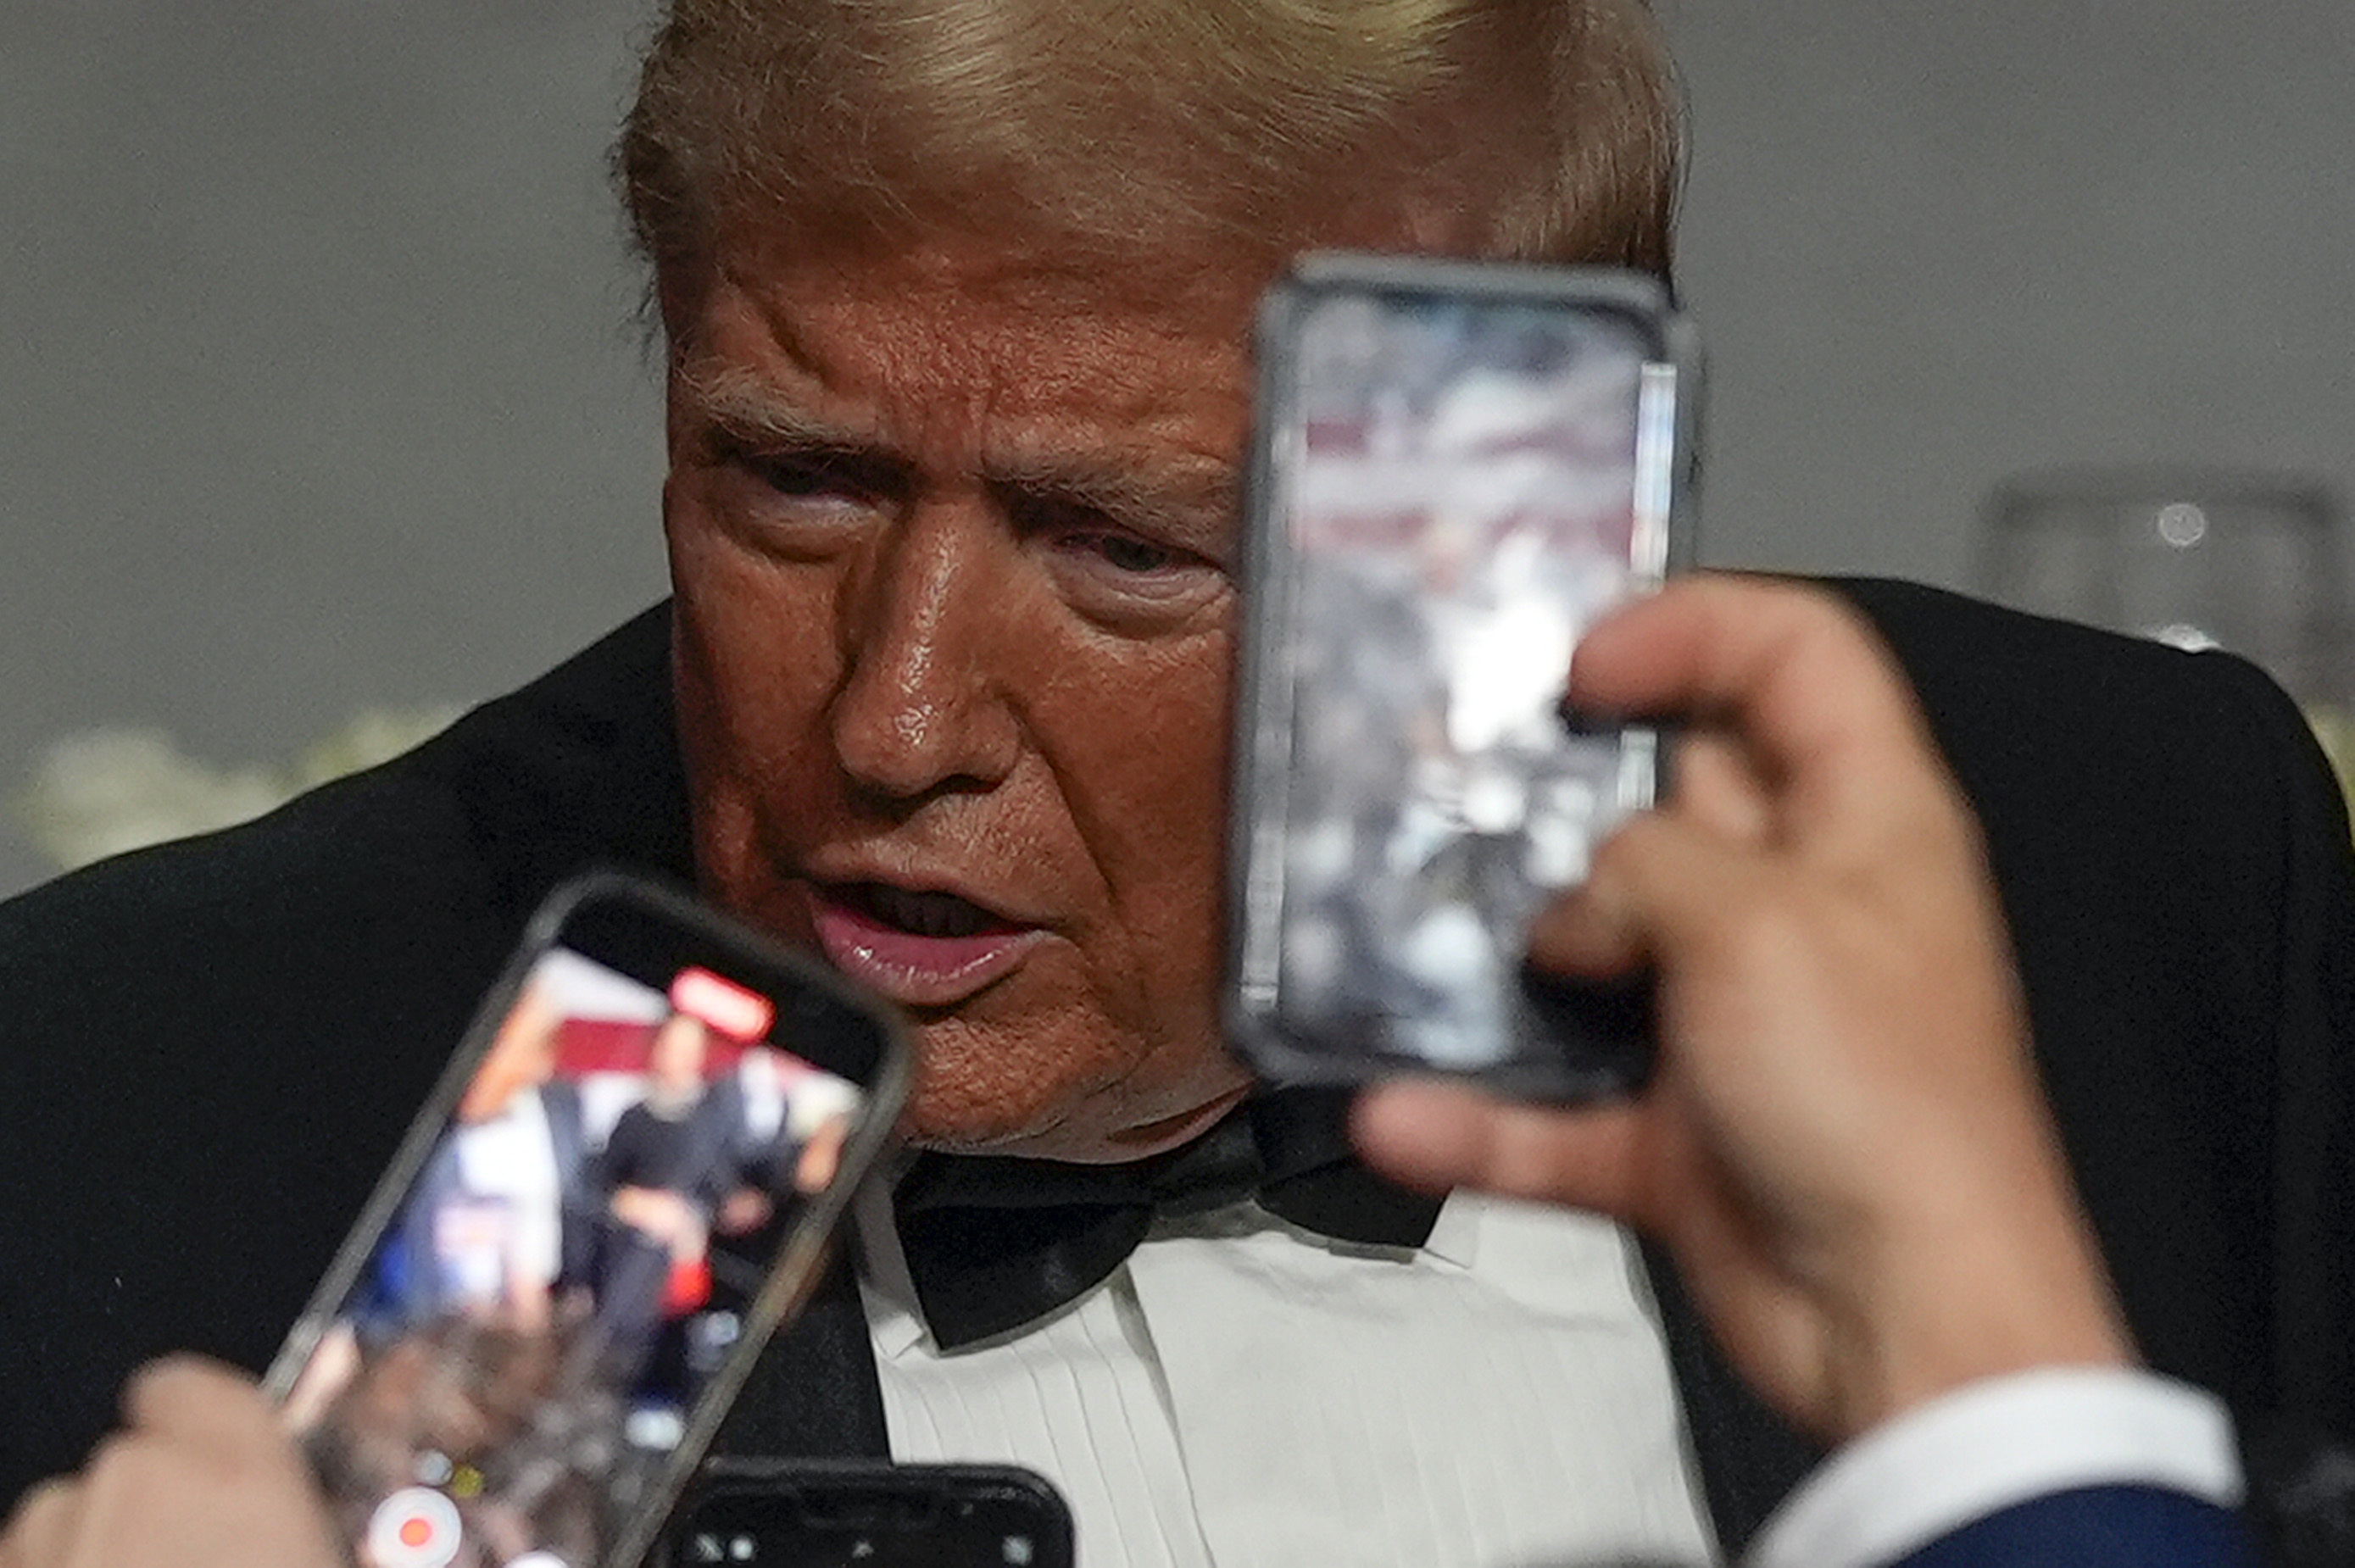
1242, 1393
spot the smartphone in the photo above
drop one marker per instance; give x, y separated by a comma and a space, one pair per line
1456, 468
870, 1514
625, 1181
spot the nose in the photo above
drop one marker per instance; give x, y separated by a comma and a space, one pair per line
923, 707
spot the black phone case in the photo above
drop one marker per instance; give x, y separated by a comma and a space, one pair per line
842, 1513
653, 928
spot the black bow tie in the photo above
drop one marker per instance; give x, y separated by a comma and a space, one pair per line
993, 1243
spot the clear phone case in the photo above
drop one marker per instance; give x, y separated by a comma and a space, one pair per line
1458, 467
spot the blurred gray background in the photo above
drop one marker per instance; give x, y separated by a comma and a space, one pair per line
321, 388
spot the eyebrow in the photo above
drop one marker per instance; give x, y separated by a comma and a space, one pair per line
743, 405
1195, 494
1195, 498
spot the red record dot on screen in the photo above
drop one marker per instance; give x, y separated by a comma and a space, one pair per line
416, 1526
731, 1008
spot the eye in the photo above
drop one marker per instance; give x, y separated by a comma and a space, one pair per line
1126, 580
1126, 552
794, 502
1100, 550
1092, 540
812, 475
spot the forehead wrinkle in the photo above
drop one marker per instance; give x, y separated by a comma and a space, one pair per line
1188, 486
880, 393
904, 387
979, 333
744, 402
966, 368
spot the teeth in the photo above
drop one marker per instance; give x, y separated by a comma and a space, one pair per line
925, 915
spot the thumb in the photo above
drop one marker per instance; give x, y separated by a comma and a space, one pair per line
202, 1402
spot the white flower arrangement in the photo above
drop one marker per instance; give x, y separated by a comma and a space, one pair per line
2335, 728
101, 792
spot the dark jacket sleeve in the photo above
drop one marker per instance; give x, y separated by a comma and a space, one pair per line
2096, 1527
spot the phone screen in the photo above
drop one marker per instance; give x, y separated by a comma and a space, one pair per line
532, 1329
1456, 480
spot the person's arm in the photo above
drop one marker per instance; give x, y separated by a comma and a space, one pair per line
200, 1473
2060, 1465
1844, 1145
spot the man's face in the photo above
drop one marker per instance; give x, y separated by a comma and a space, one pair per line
676, 1059
954, 545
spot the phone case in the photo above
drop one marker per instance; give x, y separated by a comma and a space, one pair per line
456, 1416
1457, 466
869, 1513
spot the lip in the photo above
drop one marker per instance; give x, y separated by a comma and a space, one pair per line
913, 970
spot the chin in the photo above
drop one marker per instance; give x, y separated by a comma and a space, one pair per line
1042, 1104
1006, 1112
1102, 1127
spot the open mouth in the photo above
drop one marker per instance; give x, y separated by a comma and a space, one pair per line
918, 913
922, 949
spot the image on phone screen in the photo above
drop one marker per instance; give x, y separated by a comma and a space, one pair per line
568, 1268
1462, 481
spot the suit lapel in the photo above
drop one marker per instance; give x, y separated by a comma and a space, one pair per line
814, 1395
1749, 1457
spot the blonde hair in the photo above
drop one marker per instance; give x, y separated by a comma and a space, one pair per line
1207, 130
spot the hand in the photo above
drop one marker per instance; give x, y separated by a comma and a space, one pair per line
661, 1216
744, 1211
201, 1475
1844, 1145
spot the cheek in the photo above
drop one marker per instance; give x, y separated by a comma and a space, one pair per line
1125, 1031
753, 666
1152, 812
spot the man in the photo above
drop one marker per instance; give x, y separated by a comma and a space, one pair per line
1857, 1265
955, 313
662, 1174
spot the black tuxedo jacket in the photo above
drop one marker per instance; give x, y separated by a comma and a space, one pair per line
209, 1050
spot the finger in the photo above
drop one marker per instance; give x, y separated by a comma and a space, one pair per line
41, 1530
202, 1404
1583, 932
1435, 1136
1656, 876
1670, 887
1717, 788
1797, 676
